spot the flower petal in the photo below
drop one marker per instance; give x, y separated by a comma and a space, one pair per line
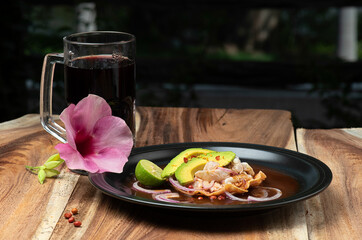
72, 157
66, 117
112, 132
97, 141
108, 160
80, 119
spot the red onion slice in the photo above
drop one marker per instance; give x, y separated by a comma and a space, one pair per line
232, 197
137, 187
165, 197
178, 186
262, 199
259, 192
257, 199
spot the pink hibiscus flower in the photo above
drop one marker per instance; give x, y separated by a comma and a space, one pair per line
97, 141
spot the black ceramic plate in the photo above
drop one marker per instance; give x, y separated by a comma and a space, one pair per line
312, 175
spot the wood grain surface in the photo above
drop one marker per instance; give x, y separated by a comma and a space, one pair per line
30, 209
171, 125
34, 211
336, 213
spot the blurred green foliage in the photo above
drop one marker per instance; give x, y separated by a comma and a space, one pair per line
196, 33
12, 81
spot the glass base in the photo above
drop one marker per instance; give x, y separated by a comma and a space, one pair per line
81, 172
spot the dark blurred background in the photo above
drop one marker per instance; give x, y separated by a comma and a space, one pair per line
301, 56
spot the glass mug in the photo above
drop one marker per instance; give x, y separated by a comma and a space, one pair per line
100, 63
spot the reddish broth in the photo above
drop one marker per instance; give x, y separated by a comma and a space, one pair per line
288, 185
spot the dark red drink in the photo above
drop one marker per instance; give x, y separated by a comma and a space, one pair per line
111, 78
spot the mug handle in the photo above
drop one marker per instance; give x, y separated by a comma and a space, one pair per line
46, 95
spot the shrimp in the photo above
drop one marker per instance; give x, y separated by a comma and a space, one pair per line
214, 180
248, 169
212, 175
236, 165
211, 165
240, 167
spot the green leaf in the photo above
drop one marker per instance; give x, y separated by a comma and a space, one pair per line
41, 176
53, 164
53, 161
47, 170
51, 172
54, 157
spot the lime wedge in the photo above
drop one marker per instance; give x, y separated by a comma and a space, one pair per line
148, 173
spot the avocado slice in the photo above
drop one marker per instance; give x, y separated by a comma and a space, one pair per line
186, 172
182, 157
223, 158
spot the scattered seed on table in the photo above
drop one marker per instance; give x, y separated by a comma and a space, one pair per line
74, 211
77, 223
71, 219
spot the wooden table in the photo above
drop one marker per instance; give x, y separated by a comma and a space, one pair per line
34, 211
